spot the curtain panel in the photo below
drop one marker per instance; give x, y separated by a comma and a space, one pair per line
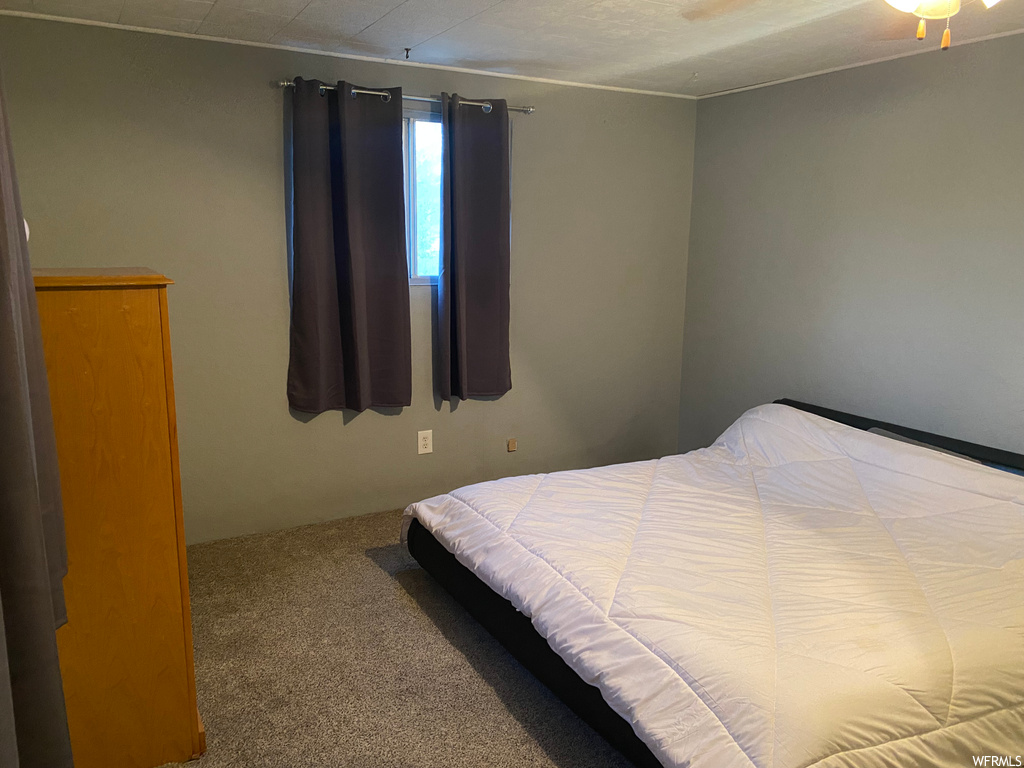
350, 343
473, 288
33, 559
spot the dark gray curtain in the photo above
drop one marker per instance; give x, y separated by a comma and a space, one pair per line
350, 333
33, 723
473, 290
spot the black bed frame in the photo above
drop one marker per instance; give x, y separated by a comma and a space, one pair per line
515, 631
993, 457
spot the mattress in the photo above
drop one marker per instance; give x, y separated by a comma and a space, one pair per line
801, 593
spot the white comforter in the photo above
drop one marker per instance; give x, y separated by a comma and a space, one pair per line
800, 593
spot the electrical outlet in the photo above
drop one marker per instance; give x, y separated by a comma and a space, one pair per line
425, 441
513, 444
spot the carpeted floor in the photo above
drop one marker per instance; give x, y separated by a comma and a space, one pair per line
328, 646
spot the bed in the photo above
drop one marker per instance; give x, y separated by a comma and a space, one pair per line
801, 593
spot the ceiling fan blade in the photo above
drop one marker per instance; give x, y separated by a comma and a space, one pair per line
709, 9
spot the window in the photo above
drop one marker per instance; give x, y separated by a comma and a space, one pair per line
423, 173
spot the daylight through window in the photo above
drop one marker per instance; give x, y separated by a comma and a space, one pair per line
423, 198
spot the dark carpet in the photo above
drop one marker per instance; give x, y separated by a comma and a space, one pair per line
327, 645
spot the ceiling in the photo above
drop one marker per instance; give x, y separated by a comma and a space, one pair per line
685, 47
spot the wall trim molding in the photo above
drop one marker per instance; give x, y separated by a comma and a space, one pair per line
485, 73
337, 55
843, 68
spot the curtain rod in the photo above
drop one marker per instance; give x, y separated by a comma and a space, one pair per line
386, 96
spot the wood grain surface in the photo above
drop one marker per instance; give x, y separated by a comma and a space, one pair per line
98, 277
126, 651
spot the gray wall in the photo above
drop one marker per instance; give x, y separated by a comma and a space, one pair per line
858, 242
137, 149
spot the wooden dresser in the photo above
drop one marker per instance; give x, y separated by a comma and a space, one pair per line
126, 651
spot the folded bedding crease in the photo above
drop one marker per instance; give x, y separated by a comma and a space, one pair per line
801, 593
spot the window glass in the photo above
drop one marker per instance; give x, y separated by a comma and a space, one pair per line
425, 197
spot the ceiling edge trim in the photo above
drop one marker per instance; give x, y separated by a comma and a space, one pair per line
485, 73
843, 68
351, 56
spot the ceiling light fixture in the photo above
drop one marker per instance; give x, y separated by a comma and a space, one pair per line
933, 9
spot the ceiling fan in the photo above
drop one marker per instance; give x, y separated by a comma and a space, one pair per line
933, 9
928, 9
